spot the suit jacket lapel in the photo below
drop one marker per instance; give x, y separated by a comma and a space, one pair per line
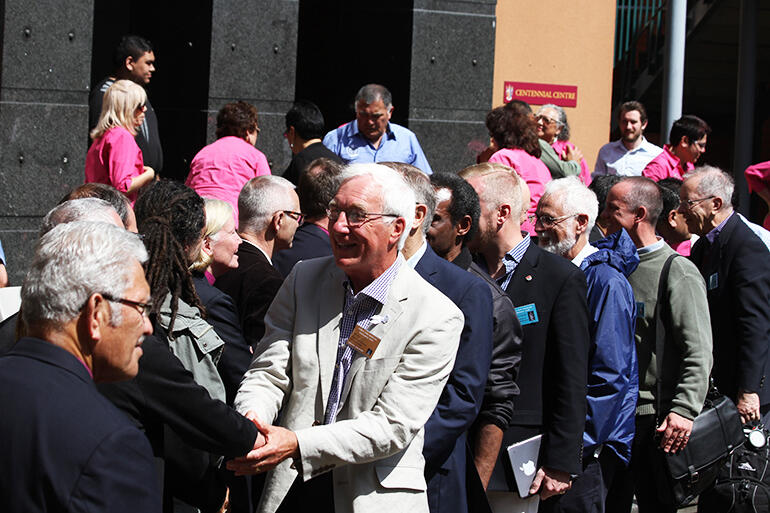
330, 308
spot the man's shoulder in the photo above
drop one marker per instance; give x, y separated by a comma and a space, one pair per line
339, 134
401, 130
555, 265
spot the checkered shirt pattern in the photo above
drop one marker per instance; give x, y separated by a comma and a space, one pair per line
511, 261
359, 309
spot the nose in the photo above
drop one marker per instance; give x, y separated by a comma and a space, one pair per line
339, 225
147, 325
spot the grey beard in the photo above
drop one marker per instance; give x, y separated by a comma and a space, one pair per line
559, 248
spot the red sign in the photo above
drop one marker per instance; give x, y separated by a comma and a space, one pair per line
540, 94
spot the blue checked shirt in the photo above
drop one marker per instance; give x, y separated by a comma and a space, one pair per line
359, 309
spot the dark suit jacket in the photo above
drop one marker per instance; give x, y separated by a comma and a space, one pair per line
458, 406
183, 423
554, 364
736, 269
64, 447
310, 241
252, 286
223, 316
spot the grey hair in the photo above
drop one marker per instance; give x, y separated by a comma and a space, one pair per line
573, 197
84, 209
72, 262
562, 119
713, 182
370, 93
259, 199
419, 182
396, 196
644, 193
503, 187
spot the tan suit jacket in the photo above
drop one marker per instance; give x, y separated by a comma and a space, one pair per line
375, 447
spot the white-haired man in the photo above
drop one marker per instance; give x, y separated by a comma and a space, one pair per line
565, 215
268, 218
734, 263
354, 362
64, 447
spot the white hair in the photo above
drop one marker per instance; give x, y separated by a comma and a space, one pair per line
84, 209
713, 182
72, 262
574, 198
259, 199
396, 196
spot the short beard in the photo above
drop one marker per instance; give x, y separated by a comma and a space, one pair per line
558, 248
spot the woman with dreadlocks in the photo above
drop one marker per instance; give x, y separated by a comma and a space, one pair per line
171, 218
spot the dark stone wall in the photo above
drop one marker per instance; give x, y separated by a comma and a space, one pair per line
44, 85
451, 79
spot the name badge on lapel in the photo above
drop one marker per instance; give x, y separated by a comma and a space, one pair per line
639, 310
713, 281
363, 341
527, 314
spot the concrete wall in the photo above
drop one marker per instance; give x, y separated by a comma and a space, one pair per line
565, 43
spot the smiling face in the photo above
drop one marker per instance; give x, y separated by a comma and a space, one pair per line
556, 237
373, 119
691, 151
363, 252
223, 246
548, 126
699, 216
116, 355
616, 214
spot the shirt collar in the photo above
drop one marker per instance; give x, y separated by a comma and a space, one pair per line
270, 260
414, 259
378, 289
652, 247
587, 250
714, 233
354, 131
513, 257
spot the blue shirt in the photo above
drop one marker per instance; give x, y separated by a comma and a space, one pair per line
398, 144
2, 254
615, 159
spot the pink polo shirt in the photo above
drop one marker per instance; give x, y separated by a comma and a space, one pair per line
758, 178
529, 168
115, 159
221, 169
666, 165
585, 173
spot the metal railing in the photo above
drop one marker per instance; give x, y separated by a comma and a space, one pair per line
639, 41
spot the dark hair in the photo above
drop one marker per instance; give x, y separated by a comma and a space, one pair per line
131, 46
692, 127
633, 105
317, 187
512, 126
104, 192
669, 193
307, 120
601, 186
170, 217
370, 93
236, 119
465, 201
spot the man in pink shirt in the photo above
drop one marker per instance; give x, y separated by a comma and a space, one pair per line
687, 142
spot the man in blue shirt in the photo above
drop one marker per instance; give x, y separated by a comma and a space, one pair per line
372, 137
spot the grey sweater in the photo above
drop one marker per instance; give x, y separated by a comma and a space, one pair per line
687, 353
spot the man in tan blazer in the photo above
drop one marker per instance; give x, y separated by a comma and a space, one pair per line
357, 350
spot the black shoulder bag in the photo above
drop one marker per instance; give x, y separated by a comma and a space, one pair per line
716, 431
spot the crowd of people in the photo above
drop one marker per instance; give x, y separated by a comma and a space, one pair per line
365, 333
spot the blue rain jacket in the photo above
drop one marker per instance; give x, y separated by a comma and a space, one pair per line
613, 379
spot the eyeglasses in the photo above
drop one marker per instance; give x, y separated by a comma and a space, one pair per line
688, 204
701, 145
354, 217
297, 216
546, 120
142, 308
547, 221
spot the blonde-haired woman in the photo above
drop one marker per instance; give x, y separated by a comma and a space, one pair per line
114, 157
220, 240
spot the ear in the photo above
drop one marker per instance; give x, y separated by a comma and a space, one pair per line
390, 111
640, 214
129, 63
420, 211
97, 314
464, 226
206, 247
399, 225
671, 218
582, 224
275, 222
684, 142
718, 203
644, 125
503, 213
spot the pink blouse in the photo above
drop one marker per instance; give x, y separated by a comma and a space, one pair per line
115, 159
666, 165
758, 178
221, 169
531, 170
585, 173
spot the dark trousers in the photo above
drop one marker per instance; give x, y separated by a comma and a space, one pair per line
589, 489
643, 477
316, 495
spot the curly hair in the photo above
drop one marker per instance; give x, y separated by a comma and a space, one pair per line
236, 119
512, 126
170, 217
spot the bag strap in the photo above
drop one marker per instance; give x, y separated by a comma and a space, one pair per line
660, 331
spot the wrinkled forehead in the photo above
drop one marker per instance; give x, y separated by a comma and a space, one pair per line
359, 192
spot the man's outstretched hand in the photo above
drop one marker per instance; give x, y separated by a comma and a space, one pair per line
280, 444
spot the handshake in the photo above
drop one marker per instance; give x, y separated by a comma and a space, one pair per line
273, 445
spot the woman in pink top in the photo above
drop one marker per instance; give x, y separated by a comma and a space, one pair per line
114, 157
758, 179
221, 169
556, 133
513, 129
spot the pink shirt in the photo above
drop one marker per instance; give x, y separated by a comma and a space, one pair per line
585, 173
666, 165
531, 170
683, 248
758, 177
221, 169
115, 159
